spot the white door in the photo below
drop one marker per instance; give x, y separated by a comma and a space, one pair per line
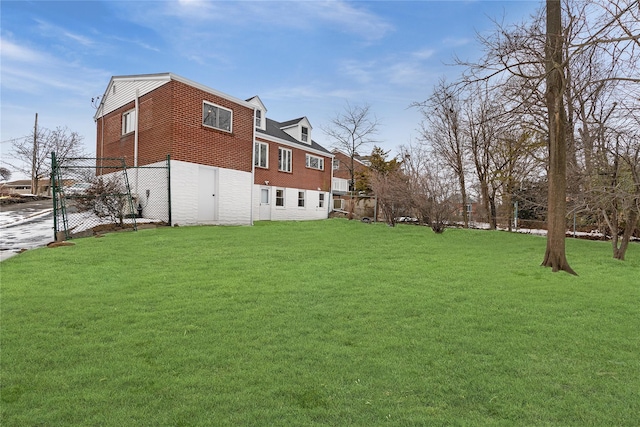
265, 204
206, 194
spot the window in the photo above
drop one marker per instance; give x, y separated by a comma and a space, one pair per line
284, 159
279, 197
336, 164
264, 196
314, 162
321, 200
262, 155
337, 204
258, 118
216, 117
128, 121
305, 134
301, 199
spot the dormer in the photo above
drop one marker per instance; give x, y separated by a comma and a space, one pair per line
261, 112
300, 129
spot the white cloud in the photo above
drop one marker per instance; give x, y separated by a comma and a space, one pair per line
54, 31
12, 51
423, 54
363, 72
349, 18
342, 16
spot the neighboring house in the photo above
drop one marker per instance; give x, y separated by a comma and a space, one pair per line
472, 207
229, 164
364, 205
23, 186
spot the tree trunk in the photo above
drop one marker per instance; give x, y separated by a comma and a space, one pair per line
463, 194
555, 256
630, 226
487, 204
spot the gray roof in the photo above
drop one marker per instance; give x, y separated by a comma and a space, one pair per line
274, 129
290, 122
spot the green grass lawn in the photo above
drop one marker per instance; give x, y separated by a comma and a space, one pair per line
331, 323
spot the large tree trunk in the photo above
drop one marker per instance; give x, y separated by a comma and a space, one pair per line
555, 256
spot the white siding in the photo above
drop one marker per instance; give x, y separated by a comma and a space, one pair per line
233, 195
291, 211
126, 92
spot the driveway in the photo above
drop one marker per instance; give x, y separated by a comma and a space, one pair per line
25, 226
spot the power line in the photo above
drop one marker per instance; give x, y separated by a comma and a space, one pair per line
14, 139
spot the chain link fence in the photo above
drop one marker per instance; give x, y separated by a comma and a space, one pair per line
93, 195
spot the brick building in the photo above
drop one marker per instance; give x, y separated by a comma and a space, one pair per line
230, 164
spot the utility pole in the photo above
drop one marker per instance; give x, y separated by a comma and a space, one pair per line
34, 177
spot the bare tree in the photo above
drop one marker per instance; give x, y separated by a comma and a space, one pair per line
431, 189
586, 44
106, 198
390, 185
352, 131
442, 129
555, 255
34, 151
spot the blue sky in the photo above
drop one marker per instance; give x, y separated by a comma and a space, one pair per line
302, 58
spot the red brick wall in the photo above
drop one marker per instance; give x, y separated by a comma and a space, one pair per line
300, 176
345, 164
170, 122
115, 144
154, 125
193, 142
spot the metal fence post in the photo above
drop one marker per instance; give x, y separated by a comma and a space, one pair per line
169, 185
54, 194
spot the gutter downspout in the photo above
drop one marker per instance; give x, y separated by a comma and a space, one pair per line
330, 204
135, 138
253, 165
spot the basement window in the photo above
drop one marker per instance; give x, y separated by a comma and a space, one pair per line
280, 197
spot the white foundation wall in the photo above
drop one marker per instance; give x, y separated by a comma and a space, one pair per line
232, 192
234, 203
290, 211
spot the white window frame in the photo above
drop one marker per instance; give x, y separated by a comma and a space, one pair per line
311, 159
217, 108
321, 200
302, 196
304, 134
284, 159
259, 160
129, 121
264, 191
336, 164
283, 198
259, 118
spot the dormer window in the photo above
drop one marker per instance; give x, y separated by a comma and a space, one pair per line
305, 134
258, 118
